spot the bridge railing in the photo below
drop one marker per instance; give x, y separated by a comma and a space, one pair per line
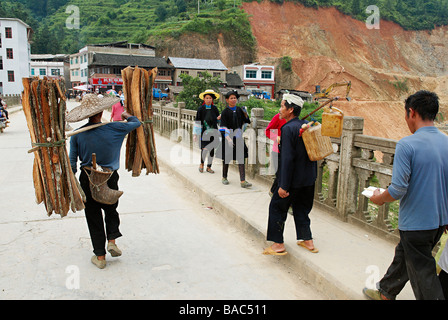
358, 161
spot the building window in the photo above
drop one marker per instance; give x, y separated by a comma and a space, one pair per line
9, 53
42, 72
217, 74
55, 72
184, 72
8, 33
1, 63
32, 71
266, 74
251, 74
10, 76
0, 40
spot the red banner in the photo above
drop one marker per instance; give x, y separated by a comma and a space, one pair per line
106, 81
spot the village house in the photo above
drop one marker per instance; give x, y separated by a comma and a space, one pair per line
257, 77
15, 37
107, 75
53, 66
194, 68
105, 70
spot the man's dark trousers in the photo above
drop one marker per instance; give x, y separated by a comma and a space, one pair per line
94, 215
413, 261
301, 199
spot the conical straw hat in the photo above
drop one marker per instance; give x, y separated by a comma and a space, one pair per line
90, 106
210, 92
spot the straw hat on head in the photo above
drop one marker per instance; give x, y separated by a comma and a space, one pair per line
91, 105
210, 92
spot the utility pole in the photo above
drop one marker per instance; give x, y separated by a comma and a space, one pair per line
198, 6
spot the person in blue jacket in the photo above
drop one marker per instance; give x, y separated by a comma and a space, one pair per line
105, 141
296, 178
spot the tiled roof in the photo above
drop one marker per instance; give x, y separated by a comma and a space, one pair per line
201, 64
121, 60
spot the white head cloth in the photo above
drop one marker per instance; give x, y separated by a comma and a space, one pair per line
292, 98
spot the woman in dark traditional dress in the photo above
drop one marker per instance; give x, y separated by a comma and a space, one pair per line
233, 146
206, 127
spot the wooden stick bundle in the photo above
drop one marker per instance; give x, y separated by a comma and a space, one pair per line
55, 184
140, 145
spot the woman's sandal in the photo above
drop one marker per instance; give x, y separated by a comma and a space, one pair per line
209, 170
201, 169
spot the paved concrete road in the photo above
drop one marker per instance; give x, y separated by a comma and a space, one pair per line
173, 246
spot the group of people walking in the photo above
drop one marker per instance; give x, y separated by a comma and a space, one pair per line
295, 173
419, 181
226, 138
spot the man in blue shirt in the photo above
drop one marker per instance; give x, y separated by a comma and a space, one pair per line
420, 182
105, 141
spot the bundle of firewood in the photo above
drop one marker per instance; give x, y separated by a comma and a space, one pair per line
140, 145
55, 184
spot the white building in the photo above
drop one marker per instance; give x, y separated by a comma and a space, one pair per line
15, 54
75, 72
53, 66
257, 77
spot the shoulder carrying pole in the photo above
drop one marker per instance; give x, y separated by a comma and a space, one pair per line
318, 108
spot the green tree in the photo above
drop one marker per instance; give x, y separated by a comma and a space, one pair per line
194, 86
161, 13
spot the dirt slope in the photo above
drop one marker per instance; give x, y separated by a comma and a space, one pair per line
327, 47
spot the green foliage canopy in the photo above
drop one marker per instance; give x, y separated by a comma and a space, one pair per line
193, 86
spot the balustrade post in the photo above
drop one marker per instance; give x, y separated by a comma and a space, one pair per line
347, 180
162, 126
253, 144
180, 108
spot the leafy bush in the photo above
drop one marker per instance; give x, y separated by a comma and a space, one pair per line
193, 86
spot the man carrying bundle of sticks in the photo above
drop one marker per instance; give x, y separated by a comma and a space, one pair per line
104, 141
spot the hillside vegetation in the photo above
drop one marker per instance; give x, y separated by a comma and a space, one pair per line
133, 20
139, 20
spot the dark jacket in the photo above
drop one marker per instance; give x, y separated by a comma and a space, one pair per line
232, 124
295, 168
209, 120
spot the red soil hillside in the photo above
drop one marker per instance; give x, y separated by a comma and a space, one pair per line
327, 47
